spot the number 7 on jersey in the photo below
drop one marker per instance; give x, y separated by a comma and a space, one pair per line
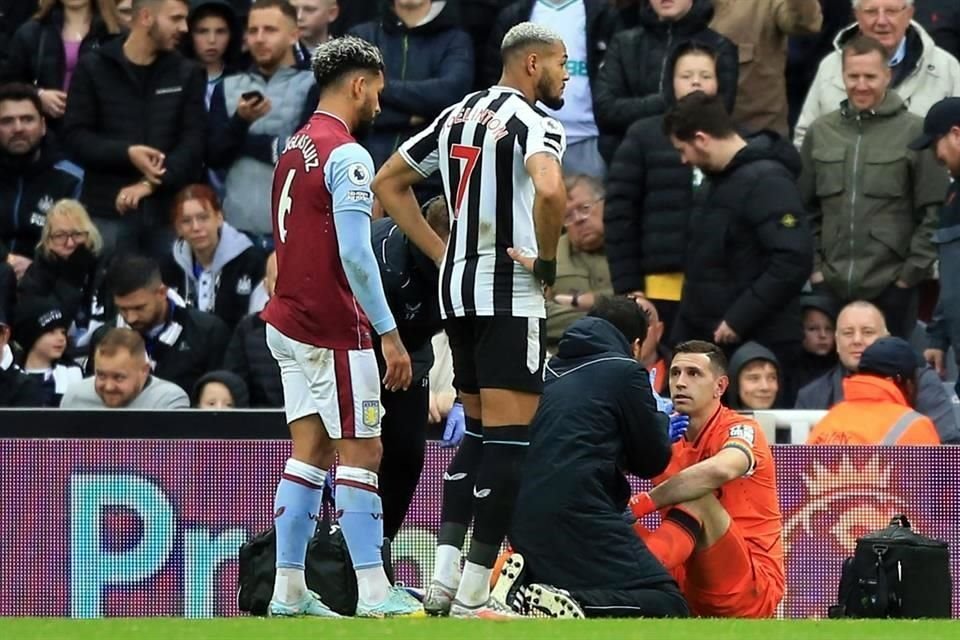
470, 155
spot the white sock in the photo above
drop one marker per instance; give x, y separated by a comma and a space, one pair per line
372, 585
290, 586
446, 569
475, 585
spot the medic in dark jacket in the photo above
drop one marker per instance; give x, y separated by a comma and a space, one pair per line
597, 419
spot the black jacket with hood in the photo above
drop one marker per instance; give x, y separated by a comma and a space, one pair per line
112, 108
750, 250
236, 270
597, 419
631, 81
745, 354
649, 199
428, 68
28, 189
233, 56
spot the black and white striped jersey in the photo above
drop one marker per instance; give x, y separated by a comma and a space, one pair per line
481, 145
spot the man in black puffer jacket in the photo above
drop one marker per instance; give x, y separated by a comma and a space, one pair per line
751, 249
631, 81
137, 125
650, 193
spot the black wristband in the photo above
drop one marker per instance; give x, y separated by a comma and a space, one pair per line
545, 271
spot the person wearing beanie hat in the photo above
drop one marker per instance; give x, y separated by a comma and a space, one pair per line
220, 390
879, 401
819, 353
755, 378
16, 388
40, 330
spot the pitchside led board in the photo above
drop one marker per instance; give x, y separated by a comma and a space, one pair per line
151, 528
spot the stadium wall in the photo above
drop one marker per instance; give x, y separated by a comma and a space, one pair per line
150, 527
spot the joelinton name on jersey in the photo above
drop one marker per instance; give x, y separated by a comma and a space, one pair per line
481, 145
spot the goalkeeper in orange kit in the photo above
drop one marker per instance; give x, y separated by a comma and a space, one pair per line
721, 530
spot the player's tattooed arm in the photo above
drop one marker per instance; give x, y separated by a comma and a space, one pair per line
549, 203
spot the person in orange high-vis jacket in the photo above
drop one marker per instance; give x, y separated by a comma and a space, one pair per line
721, 529
878, 402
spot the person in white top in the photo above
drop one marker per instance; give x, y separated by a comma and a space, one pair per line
923, 73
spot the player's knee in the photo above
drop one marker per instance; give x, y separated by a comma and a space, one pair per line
364, 453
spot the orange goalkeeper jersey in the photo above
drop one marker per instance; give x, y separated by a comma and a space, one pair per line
750, 500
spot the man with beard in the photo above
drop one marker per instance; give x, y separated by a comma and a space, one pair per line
137, 124
252, 114
328, 297
182, 342
499, 157
33, 175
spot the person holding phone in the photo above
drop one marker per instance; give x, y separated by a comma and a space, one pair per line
253, 113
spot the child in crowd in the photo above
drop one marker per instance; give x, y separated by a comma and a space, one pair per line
41, 332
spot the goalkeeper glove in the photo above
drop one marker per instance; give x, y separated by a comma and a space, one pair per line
642, 504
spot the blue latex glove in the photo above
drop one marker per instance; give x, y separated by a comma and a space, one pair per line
679, 423
456, 425
664, 405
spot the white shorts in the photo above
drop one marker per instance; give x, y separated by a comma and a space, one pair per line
342, 387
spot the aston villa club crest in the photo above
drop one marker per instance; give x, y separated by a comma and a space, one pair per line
371, 413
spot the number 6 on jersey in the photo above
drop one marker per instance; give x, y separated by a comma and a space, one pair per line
285, 205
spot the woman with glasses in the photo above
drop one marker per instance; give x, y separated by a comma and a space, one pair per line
45, 50
68, 268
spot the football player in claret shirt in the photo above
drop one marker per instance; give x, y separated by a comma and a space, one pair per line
721, 529
328, 297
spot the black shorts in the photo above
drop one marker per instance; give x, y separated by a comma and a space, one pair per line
497, 352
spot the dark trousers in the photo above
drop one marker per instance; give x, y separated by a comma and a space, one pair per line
404, 437
663, 601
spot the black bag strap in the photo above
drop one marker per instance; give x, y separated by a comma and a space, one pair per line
880, 606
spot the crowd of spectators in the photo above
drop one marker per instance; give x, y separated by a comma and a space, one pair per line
138, 138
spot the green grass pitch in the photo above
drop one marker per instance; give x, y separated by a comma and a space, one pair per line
430, 629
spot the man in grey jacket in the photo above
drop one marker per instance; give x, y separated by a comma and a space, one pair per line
122, 379
859, 325
253, 113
